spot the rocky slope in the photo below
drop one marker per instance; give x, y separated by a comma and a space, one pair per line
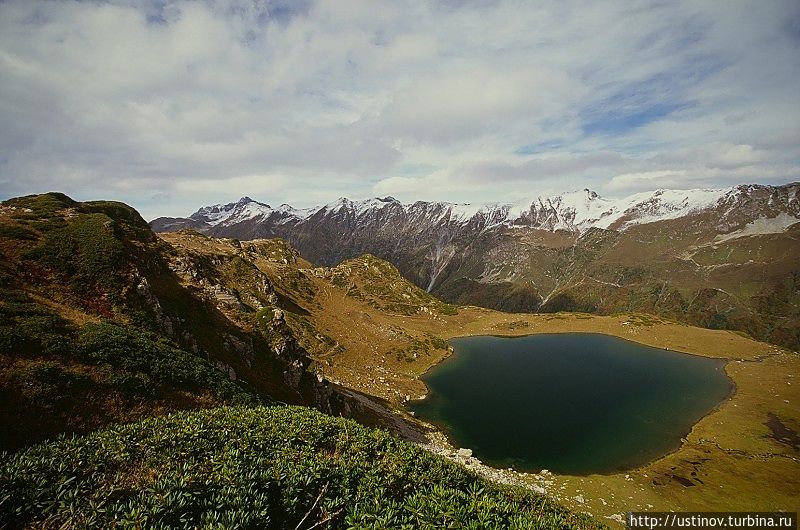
101, 321
363, 323
717, 258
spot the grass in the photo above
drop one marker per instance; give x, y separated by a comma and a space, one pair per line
274, 467
149, 361
15, 231
517, 324
85, 251
379, 283
29, 329
133, 355
639, 319
57, 376
49, 384
44, 205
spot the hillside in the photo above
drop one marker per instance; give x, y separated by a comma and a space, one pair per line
723, 259
95, 327
278, 467
370, 330
362, 323
101, 322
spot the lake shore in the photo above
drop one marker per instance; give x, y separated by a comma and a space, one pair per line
730, 460
558, 400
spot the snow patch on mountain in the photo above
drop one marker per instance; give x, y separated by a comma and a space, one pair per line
761, 226
580, 210
575, 211
661, 205
244, 209
290, 212
464, 212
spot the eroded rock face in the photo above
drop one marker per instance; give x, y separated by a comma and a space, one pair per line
258, 344
151, 301
225, 296
226, 369
294, 373
241, 349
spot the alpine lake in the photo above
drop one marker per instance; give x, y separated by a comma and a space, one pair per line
572, 403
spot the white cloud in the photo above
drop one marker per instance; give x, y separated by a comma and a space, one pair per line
648, 180
169, 105
471, 99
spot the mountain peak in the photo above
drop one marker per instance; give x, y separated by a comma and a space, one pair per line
574, 211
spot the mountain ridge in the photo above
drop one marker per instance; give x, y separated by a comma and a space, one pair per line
724, 258
575, 211
102, 321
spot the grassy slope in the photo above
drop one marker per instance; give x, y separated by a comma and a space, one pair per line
673, 269
78, 346
356, 341
278, 467
55, 377
351, 318
97, 327
72, 271
382, 348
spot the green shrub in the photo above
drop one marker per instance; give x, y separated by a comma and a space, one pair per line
437, 342
115, 210
44, 205
147, 358
133, 384
274, 467
12, 231
447, 309
27, 328
85, 251
49, 384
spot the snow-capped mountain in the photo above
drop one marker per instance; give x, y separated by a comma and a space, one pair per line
545, 252
581, 210
246, 209
576, 211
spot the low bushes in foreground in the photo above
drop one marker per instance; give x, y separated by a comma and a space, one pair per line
262, 467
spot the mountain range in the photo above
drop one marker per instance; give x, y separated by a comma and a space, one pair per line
719, 258
104, 322
112, 340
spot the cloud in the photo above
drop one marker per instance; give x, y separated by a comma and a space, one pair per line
473, 98
305, 101
648, 180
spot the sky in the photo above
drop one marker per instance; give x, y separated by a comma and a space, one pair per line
172, 105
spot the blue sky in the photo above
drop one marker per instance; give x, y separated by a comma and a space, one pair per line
169, 105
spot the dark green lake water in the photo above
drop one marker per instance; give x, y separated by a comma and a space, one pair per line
573, 403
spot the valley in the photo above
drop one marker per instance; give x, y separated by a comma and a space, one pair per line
720, 258
399, 265
106, 322
370, 330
